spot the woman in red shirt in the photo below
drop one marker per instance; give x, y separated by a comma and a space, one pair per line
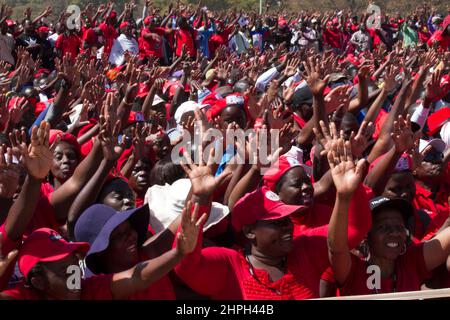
45, 258
274, 265
400, 267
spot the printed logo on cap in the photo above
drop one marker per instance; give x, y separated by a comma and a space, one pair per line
292, 161
272, 196
234, 100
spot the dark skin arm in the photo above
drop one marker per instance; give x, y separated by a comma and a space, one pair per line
384, 141
145, 273
317, 86
111, 151
38, 159
60, 104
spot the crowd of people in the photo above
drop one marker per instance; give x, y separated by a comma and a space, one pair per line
94, 110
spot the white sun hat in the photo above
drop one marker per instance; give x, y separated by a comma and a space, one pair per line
167, 202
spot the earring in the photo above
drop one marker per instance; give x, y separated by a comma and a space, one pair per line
403, 250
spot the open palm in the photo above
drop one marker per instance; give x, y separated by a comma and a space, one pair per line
346, 175
37, 158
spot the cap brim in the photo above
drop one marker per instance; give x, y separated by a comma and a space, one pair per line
401, 205
282, 210
66, 250
139, 219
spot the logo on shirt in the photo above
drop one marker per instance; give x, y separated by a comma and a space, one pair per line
272, 196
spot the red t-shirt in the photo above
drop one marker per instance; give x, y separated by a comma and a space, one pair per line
436, 206
333, 38
410, 272
7, 246
110, 34
185, 37
89, 37
443, 42
160, 290
219, 39
68, 44
94, 288
44, 215
305, 265
151, 47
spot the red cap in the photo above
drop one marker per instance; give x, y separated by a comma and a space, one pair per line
335, 21
274, 174
46, 245
261, 204
113, 15
282, 23
437, 119
10, 22
147, 20
66, 137
232, 99
43, 29
124, 24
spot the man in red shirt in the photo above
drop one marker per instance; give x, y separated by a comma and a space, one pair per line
109, 31
333, 36
68, 43
441, 38
151, 42
185, 36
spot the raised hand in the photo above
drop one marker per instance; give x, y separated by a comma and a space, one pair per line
9, 174
202, 175
190, 228
336, 98
433, 88
18, 109
389, 78
326, 136
361, 140
346, 175
291, 67
403, 135
139, 135
314, 74
109, 133
37, 158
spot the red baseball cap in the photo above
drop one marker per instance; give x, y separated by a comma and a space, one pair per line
293, 158
44, 29
230, 100
46, 245
437, 119
261, 204
124, 24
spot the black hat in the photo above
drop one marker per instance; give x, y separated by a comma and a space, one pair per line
403, 206
302, 96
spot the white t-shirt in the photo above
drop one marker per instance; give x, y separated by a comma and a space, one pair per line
122, 44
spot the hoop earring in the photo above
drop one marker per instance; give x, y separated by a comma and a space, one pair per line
403, 250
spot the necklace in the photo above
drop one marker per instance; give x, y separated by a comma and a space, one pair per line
253, 273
